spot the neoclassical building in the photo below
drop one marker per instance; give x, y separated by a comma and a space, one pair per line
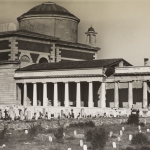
43, 65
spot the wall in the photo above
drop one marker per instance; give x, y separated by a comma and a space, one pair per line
63, 28
7, 84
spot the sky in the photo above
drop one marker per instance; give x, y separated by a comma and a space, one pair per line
123, 26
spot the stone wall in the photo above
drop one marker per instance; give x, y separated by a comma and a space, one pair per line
7, 84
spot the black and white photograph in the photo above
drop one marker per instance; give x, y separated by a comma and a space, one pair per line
75, 74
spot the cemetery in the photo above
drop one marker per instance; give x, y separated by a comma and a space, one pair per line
22, 130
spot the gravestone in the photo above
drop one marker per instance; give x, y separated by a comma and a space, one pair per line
114, 145
62, 113
111, 133
130, 137
82, 112
66, 112
139, 127
81, 143
22, 117
147, 130
49, 115
119, 139
122, 128
26, 132
121, 133
69, 148
29, 115
50, 139
75, 132
84, 147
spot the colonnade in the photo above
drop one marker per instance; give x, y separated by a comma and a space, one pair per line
66, 99
90, 94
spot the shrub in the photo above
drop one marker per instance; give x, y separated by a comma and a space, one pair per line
142, 124
83, 124
133, 119
139, 138
35, 129
3, 132
145, 148
98, 137
59, 134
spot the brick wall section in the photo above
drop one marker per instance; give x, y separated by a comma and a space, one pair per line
7, 84
77, 54
34, 46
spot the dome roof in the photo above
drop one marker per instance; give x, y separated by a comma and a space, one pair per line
48, 8
91, 29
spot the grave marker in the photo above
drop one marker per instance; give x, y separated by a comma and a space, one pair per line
139, 127
122, 128
130, 137
147, 130
119, 139
111, 133
121, 133
75, 132
26, 132
50, 139
81, 143
114, 144
84, 147
69, 148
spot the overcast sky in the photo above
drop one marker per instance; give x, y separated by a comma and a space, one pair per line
123, 26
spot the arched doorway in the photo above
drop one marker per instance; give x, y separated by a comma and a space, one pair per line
43, 60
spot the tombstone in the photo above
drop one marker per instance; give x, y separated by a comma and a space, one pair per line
84, 147
26, 132
36, 116
29, 115
69, 148
49, 115
140, 131
111, 133
119, 139
66, 112
75, 132
11, 114
130, 137
22, 117
121, 133
82, 112
114, 144
122, 128
64, 134
50, 139
139, 127
81, 143
147, 130
61, 113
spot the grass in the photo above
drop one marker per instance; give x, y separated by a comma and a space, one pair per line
18, 140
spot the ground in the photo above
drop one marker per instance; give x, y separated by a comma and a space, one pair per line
16, 139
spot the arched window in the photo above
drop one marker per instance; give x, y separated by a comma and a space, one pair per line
25, 59
43, 60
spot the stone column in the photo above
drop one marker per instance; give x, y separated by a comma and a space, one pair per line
25, 95
116, 96
44, 94
144, 94
90, 102
78, 95
66, 94
103, 95
130, 95
34, 94
55, 94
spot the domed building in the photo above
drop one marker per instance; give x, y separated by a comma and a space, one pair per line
52, 20
42, 65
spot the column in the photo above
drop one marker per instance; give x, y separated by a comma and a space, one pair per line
144, 94
78, 95
130, 95
116, 96
34, 94
55, 94
25, 95
44, 94
66, 94
90, 102
103, 95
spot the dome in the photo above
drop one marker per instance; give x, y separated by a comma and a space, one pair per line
48, 8
91, 29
